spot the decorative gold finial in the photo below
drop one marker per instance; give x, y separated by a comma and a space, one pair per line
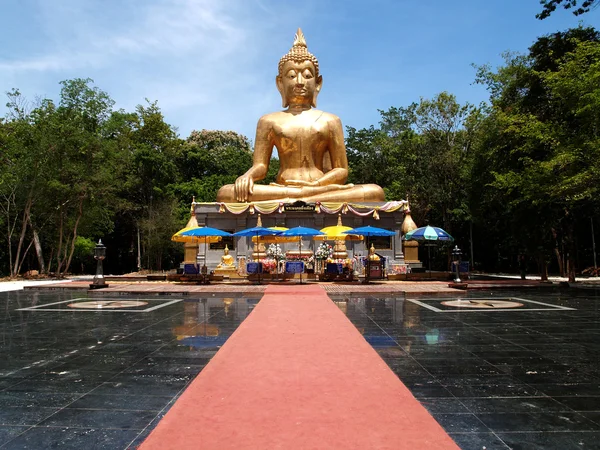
259, 221
299, 53
339, 224
192, 209
408, 224
299, 39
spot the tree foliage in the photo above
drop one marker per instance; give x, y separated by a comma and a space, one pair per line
77, 170
542, 141
514, 178
422, 151
578, 6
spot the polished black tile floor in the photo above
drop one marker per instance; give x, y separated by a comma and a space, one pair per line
523, 378
74, 379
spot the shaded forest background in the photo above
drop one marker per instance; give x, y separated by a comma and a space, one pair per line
515, 176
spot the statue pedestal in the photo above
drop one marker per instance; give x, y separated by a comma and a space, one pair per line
217, 216
230, 272
297, 254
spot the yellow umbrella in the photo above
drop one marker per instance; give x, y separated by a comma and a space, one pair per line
336, 233
274, 239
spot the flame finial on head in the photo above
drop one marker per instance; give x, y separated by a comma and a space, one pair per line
299, 53
299, 39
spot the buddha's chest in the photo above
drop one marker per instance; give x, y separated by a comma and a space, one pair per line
299, 133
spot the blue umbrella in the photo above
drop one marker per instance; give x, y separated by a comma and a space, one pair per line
257, 231
203, 232
300, 232
368, 231
426, 234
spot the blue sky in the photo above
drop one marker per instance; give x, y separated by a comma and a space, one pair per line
212, 63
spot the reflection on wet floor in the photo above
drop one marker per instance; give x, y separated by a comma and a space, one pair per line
521, 378
77, 379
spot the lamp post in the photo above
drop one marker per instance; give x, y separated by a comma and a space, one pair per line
99, 255
456, 254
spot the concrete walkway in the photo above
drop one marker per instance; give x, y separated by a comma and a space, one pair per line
6, 286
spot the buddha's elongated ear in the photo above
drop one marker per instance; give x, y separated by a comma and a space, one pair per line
318, 85
279, 83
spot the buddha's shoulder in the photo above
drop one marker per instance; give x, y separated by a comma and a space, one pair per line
328, 117
282, 116
271, 117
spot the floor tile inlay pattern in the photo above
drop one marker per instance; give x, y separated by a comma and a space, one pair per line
496, 380
73, 380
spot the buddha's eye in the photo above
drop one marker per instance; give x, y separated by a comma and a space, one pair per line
307, 74
291, 74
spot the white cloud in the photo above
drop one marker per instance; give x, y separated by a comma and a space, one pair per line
166, 27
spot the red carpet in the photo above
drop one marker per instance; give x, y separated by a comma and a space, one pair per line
297, 374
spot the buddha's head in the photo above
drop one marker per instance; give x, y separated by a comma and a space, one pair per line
226, 250
298, 80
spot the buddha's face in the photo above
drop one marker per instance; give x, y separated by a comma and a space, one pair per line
298, 84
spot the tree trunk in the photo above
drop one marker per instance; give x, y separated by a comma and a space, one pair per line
571, 252
50, 260
38, 252
59, 257
543, 268
24, 255
10, 224
559, 260
18, 262
75, 227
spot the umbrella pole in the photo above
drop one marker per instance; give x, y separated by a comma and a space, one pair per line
429, 258
300, 248
204, 270
368, 267
260, 264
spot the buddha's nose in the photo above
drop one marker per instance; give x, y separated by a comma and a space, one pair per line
300, 80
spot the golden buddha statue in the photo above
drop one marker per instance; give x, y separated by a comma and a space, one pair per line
372, 255
313, 165
226, 260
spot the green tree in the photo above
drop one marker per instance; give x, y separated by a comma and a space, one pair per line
148, 148
80, 171
543, 150
26, 152
210, 159
58, 181
578, 6
423, 151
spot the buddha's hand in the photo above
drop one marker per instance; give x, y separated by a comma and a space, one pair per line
302, 183
324, 187
244, 186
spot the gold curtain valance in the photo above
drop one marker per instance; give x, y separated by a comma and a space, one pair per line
320, 207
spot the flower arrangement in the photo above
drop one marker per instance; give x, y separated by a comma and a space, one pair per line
269, 265
306, 258
324, 251
274, 251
